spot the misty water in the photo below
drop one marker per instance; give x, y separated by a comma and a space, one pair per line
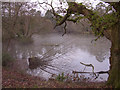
65, 54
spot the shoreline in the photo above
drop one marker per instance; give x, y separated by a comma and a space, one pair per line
16, 79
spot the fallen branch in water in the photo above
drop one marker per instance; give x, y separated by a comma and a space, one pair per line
95, 73
100, 72
89, 65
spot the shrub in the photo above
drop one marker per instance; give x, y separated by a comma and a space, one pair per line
25, 40
7, 59
61, 77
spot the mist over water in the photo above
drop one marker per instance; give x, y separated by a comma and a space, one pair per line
65, 54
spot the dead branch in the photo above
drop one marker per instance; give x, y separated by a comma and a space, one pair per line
88, 65
53, 11
64, 29
95, 73
100, 72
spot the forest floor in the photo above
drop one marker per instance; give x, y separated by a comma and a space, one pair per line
15, 79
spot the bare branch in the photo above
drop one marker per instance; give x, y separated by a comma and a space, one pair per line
65, 29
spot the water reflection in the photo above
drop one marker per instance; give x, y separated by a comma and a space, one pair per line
65, 53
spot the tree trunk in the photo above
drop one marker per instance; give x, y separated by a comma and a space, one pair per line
114, 73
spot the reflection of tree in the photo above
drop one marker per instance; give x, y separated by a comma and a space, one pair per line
99, 48
101, 56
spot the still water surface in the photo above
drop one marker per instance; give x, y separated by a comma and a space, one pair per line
65, 54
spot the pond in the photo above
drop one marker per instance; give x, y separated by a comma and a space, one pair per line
64, 54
